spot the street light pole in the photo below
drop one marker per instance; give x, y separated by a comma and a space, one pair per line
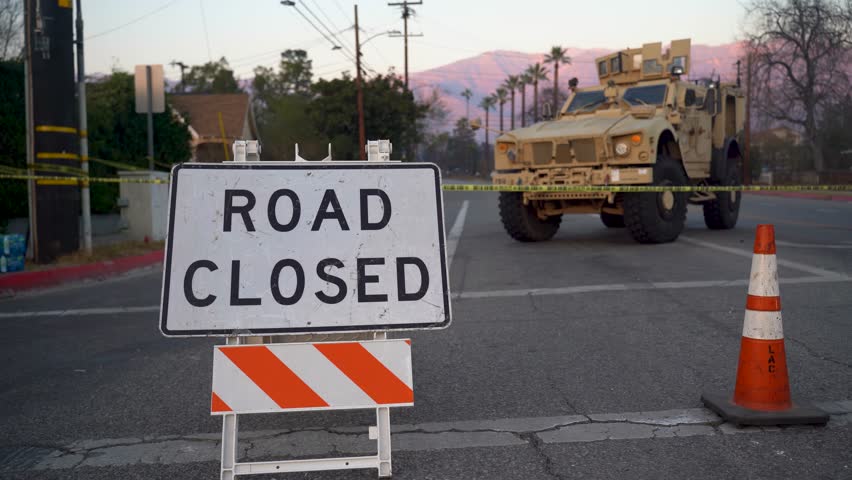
84, 137
362, 135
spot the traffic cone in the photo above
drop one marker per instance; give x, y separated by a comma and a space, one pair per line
762, 392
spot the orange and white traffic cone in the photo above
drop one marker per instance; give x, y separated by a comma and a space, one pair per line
762, 392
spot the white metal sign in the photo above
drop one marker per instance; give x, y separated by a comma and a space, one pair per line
158, 96
263, 248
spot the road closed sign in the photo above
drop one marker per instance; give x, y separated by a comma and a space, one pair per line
265, 248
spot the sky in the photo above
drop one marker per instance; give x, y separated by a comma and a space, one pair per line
121, 34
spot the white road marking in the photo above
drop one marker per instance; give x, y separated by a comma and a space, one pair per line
501, 432
748, 254
820, 246
610, 287
621, 287
82, 311
456, 232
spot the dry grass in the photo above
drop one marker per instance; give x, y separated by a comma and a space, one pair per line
100, 254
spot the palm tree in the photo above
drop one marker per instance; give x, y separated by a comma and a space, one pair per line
512, 83
501, 95
536, 72
466, 93
487, 104
556, 56
525, 80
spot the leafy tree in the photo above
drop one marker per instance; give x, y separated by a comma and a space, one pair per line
800, 51
835, 134
462, 150
390, 111
292, 78
117, 133
281, 100
212, 77
11, 29
556, 56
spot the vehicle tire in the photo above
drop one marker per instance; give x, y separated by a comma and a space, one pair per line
722, 213
521, 221
611, 220
658, 217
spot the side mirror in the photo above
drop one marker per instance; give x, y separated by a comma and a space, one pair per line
548, 111
475, 124
710, 101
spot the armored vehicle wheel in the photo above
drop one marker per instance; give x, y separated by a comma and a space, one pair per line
722, 213
612, 220
521, 221
658, 217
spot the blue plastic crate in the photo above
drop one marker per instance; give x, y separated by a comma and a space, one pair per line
13, 245
9, 263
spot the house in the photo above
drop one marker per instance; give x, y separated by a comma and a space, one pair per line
202, 112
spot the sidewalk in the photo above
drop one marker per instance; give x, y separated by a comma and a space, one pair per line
810, 195
113, 254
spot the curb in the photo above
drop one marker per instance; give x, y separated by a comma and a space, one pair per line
23, 281
806, 196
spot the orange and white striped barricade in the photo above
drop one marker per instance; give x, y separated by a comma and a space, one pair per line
762, 391
292, 377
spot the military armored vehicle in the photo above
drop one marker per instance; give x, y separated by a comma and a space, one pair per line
644, 124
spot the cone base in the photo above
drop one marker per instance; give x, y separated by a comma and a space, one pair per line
802, 413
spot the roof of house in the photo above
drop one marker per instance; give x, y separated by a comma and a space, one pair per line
203, 112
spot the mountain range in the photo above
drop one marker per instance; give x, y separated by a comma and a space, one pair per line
483, 73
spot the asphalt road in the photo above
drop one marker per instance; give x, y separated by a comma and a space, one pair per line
582, 357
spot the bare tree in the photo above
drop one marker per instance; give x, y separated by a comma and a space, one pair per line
11, 29
800, 50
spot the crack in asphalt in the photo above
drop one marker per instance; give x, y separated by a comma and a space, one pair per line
813, 352
537, 445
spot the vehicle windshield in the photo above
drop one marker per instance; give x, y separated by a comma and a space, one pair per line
645, 95
586, 100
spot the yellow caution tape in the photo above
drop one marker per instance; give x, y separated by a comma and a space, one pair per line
114, 164
645, 188
9, 176
500, 188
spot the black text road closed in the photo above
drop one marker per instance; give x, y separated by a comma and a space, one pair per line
260, 248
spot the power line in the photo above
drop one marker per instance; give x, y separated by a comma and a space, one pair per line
135, 20
342, 51
336, 41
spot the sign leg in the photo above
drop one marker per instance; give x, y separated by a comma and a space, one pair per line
383, 420
229, 446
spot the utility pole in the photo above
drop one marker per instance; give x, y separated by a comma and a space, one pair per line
182, 66
150, 117
84, 137
747, 132
406, 12
362, 136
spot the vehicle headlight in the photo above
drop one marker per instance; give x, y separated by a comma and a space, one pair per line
506, 148
511, 155
622, 149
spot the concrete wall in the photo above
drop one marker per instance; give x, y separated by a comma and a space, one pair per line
147, 205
